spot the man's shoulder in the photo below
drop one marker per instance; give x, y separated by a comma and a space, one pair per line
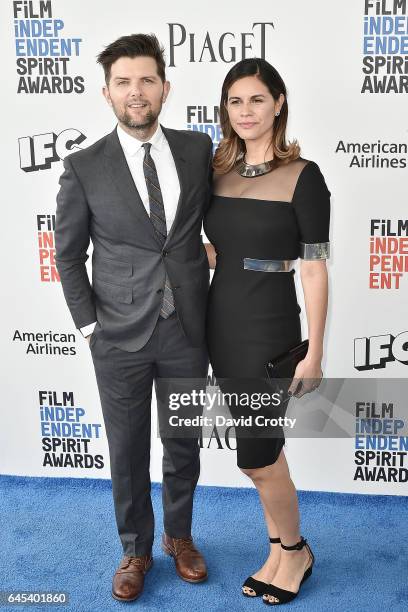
199, 136
191, 136
89, 152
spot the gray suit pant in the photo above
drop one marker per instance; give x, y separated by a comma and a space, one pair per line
125, 381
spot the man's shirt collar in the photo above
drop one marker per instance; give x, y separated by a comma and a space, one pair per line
132, 145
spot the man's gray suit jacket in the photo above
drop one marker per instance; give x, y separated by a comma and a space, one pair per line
98, 200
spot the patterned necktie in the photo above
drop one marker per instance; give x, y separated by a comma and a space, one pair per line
158, 218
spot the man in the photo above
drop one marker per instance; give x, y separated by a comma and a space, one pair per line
139, 193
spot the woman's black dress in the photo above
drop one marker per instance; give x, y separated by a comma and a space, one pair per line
258, 227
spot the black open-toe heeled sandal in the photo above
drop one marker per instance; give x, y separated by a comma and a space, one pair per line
257, 586
282, 595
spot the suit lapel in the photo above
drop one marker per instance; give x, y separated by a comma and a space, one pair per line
176, 144
121, 176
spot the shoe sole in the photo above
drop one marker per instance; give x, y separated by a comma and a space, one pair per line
138, 595
193, 580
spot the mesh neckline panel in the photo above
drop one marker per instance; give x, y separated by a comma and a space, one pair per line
278, 185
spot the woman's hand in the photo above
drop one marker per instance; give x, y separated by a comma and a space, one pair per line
309, 373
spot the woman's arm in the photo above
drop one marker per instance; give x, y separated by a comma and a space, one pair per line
211, 254
314, 279
313, 275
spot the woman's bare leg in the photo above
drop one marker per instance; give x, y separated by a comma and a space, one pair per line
279, 500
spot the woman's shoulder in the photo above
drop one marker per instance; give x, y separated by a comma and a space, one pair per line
304, 170
286, 176
300, 163
309, 175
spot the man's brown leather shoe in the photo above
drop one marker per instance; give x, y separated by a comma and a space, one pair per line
128, 580
190, 564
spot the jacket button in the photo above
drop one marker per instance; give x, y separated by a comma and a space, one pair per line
164, 253
159, 291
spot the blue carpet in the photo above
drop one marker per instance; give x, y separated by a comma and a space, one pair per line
60, 535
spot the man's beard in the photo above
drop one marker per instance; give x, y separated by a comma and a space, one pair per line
142, 125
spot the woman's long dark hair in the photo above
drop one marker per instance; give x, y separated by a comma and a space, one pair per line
232, 146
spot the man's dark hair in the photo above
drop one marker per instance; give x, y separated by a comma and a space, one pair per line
134, 45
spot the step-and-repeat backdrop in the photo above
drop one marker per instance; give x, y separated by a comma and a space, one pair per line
346, 69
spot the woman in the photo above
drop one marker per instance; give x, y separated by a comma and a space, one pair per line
269, 207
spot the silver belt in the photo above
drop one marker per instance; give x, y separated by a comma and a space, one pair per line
268, 265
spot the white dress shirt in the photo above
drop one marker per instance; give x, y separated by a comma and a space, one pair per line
166, 172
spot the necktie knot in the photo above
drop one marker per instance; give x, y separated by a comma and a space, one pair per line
146, 146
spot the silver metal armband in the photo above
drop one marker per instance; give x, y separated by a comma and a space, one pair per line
316, 250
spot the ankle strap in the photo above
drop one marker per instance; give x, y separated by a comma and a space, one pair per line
274, 540
298, 546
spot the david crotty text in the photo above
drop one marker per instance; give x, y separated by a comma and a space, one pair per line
222, 421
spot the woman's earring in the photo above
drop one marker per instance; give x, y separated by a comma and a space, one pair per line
277, 114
